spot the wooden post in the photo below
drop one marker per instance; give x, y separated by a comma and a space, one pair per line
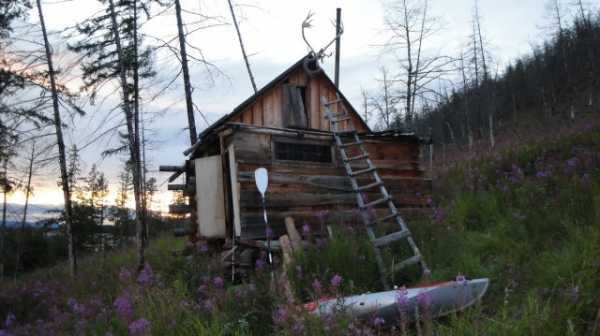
338, 27
290, 227
287, 251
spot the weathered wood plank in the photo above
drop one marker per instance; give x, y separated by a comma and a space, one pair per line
179, 209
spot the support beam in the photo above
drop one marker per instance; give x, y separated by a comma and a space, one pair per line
171, 168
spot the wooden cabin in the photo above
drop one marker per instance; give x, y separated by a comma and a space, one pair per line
282, 128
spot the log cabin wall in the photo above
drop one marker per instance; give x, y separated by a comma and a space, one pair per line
300, 188
268, 108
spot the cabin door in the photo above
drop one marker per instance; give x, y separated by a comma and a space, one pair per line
209, 197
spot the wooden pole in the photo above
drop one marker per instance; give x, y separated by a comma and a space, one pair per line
338, 27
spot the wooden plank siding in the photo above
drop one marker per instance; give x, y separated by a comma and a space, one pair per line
300, 188
266, 110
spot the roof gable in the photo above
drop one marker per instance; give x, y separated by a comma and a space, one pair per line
280, 79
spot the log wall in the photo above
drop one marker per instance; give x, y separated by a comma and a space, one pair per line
301, 189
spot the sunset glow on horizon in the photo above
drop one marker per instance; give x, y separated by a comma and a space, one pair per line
54, 197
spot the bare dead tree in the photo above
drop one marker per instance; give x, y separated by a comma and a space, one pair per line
132, 137
384, 102
409, 25
488, 101
28, 190
239, 34
5, 190
61, 145
465, 84
366, 107
186, 75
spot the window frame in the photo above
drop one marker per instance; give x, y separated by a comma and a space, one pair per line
300, 142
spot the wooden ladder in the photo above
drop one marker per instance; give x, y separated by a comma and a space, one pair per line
364, 205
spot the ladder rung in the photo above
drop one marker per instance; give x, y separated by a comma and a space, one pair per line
358, 157
377, 202
341, 119
390, 238
369, 186
362, 171
345, 132
333, 102
383, 219
355, 143
410, 261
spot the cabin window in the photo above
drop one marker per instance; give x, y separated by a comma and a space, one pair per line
302, 152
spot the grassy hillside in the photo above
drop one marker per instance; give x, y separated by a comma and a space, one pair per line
528, 219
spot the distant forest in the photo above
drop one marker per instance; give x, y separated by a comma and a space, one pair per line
558, 82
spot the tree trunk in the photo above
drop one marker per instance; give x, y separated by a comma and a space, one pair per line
186, 76
21, 239
237, 29
64, 176
3, 229
491, 127
132, 136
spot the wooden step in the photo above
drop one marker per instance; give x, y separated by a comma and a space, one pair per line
333, 102
377, 202
339, 120
345, 132
369, 186
355, 143
383, 219
362, 171
407, 262
390, 238
358, 157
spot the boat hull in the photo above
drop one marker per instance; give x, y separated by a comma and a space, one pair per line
434, 300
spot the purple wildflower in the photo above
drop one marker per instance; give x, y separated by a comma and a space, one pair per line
124, 275
321, 214
439, 214
336, 281
424, 299
218, 282
402, 298
146, 276
260, 264
268, 232
208, 305
298, 328
280, 316
10, 320
542, 174
572, 162
138, 327
202, 247
123, 306
516, 174
378, 322
5, 333
317, 287
76, 307
306, 229
461, 279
